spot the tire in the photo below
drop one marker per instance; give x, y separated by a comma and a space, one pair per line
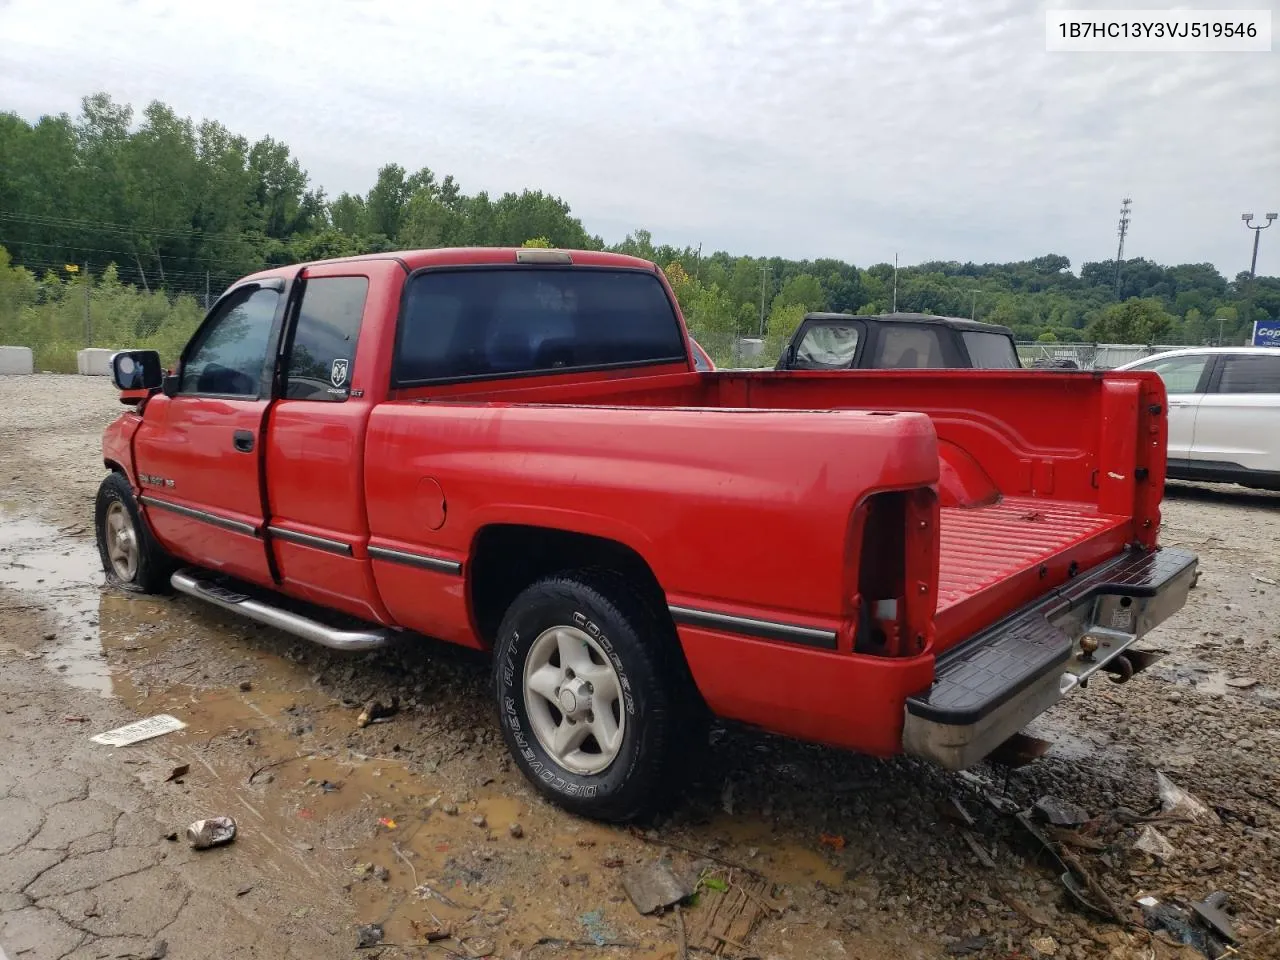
146, 566
619, 631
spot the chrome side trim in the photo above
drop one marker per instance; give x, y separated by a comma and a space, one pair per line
420, 560
226, 523
749, 626
311, 540
190, 583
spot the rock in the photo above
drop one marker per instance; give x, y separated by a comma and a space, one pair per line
369, 935
962, 948
1247, 744
1044, 946
653, 886
381, 873
480, 821
449, 809
159, 950
516, 830
1242, 683
1059, 812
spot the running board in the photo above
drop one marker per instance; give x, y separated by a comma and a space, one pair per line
194, 584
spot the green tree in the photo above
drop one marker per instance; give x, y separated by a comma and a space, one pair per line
1134, 321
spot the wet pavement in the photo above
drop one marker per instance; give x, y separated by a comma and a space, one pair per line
418, 824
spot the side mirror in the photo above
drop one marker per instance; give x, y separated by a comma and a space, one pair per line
136, 370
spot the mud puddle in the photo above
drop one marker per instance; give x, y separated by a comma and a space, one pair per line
421, 824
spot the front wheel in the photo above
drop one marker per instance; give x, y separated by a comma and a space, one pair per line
131, 557
585, 694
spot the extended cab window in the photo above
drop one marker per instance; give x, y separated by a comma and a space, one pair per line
827, 346
909, 346
461, 324
324, 342
1180, 374
990, 351
1245, 374
231, 349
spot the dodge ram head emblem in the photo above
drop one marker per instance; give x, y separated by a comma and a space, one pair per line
338, 375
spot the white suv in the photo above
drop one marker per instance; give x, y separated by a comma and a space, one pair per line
1224, 413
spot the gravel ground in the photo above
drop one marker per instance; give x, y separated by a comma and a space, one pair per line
409, 823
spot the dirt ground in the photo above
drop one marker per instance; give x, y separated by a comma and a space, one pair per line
410, 823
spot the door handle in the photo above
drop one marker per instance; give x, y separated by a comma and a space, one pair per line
243, 440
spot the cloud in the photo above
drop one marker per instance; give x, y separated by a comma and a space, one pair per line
799, 128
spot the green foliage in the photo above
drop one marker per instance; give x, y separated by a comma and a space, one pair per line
157, 207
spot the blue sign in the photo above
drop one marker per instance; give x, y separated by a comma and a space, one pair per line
1266, 333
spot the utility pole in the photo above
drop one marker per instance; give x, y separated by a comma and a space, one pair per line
697, 263
895, 282
1257, 232
973, 311
88, 320
206, 291
1122, 230
764, 272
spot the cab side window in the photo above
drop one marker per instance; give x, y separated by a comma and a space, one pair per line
909, 346
1246, 374
323, 355
1180, 374
228, 356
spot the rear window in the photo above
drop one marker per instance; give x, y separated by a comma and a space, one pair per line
465, 324
909, 346
1245, 374
990, 351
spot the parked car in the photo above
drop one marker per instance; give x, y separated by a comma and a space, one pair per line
701, 359
1224, 413
512, 450
897, 341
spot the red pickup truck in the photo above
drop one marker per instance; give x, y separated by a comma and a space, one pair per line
513, 450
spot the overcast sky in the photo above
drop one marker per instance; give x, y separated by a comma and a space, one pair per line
801, 128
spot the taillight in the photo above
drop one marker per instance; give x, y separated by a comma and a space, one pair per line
891, 573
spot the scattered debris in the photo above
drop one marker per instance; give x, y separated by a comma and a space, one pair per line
1154, 842
368, 936
211, 832
515, 830
832, 840
131, 733
71, 719
1181, 926
1212, 910
181, 770
1059, 812
597, 930
1176, 802
963, 948
172, 837
375, 711
328, 786
244, 890
953, 809
978, 850
386, 823
1267, 580
653, 886
726, 919
1018, 751
1044, 946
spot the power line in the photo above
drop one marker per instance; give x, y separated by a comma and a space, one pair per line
106, 226
123, 253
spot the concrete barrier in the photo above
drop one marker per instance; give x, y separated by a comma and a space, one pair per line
16, 360
94, 362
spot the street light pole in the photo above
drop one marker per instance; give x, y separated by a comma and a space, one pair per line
1257, 233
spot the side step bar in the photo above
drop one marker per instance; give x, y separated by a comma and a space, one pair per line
194, 584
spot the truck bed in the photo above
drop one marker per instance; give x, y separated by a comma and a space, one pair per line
984, 549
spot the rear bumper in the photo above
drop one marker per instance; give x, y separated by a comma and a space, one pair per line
988, 688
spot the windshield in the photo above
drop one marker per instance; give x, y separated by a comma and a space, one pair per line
990, 351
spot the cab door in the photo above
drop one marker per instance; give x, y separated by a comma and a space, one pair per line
197, 453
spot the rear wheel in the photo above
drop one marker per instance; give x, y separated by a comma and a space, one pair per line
586, 693
131, 557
